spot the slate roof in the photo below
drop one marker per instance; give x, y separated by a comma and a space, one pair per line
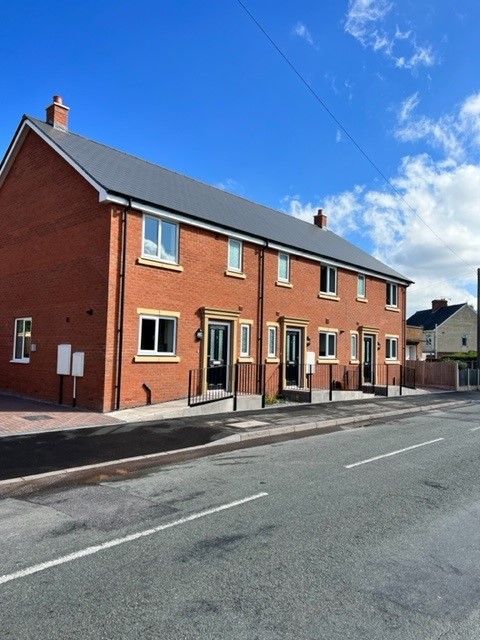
125, 175
429, 318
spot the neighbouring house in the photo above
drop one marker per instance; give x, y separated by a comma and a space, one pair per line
137, 276
415, 342
446, 329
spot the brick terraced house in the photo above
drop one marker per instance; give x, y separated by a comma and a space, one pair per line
148, 275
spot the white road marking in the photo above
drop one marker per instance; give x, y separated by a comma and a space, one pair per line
475, 429
392, 453
114, 543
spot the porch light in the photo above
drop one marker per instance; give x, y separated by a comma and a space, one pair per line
308, 341
199, 334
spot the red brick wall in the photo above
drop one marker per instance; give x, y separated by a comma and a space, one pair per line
203, 283
54, 257
61, 255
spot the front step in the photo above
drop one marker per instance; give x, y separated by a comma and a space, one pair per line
296, 395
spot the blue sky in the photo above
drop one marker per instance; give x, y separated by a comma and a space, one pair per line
198, 88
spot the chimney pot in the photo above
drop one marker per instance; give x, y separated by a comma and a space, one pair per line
57, 114
320, 220
439, 304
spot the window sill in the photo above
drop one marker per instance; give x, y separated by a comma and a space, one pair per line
354, 362
156, 359
361, 299
245, 359
328, 296
150, 262
272, 360
328, 360
393, 361
20, 361
285, 285
394, 309
235, 274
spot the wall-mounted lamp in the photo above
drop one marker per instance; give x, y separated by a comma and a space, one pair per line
378, 346
342, 331
308, 341
199, 334
90, 312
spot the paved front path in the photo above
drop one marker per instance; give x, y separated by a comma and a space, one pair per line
22, 415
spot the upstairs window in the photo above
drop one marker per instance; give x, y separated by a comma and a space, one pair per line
284, 267
464, 340
22, 340
160, 239
328, 280
234, 255
157, 335
361, 286
391, 349
392, 295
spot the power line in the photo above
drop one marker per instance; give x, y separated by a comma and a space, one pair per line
349, 136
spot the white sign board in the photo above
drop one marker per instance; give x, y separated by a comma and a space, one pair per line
64, 356
311, 356
78, 361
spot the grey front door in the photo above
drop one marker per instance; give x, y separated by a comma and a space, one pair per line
369, 359
292, 357
218, 355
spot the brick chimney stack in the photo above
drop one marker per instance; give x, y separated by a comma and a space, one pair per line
57, 114
439, 304
320, 219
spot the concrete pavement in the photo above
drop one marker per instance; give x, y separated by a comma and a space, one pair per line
111, 442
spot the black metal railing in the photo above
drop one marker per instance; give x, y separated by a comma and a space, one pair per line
212, 384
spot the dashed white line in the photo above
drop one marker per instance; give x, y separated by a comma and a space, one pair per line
392, 453
114, 543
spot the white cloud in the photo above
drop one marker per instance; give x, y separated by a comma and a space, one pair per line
368, 22
455, 134
301, 31
228, 185
445, 195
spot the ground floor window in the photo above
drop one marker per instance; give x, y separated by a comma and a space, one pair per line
328, 345
391, 349
244, 340
22, 340
272, 342
157, 335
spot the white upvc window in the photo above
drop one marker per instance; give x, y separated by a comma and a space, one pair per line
328, 344
429, 340
361, 286
22, 340
353, 346
245, 337
160, 239
284, 267
328, 280
157, 336
235, 250
391, 349
272, 342
392, 295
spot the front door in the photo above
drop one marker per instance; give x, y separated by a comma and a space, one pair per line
369, 359
218, 355
293, 357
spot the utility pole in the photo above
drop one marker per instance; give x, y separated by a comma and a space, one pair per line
478, 321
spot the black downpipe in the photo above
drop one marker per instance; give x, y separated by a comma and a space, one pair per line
121, 311
261, 312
